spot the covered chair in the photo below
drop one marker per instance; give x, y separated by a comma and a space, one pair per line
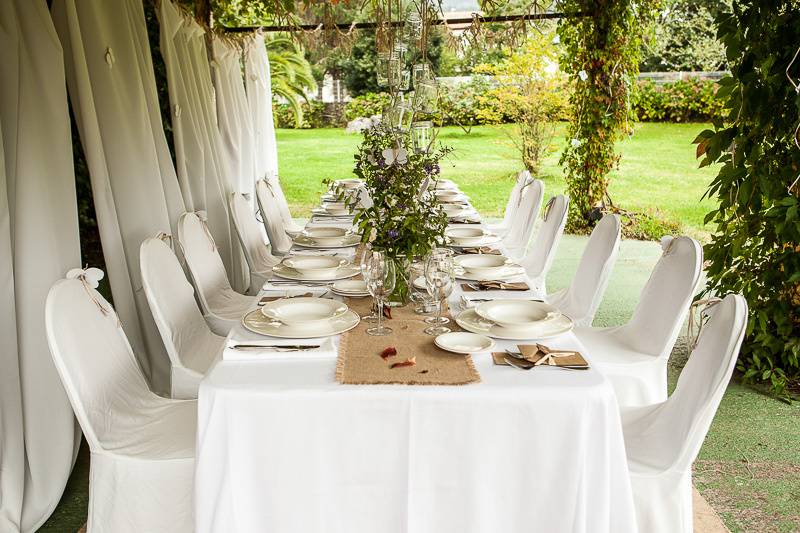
525, 214
663, 440
539, 257
634, 356
273, 222
256, 251
290, 226
511, 205
222, 307
190, 344
142, 445
581, 299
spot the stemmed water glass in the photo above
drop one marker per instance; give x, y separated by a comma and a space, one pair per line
440, 280
380, 277
363, 260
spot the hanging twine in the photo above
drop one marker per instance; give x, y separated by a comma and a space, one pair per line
698, 315
203, 216
90, 279
548, 207
165, 237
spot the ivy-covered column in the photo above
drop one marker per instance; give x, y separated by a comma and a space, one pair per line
601, 45
755, 249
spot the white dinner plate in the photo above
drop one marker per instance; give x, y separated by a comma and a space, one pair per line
303, 311
503, 273
470, 320
460, 342
350, 183
345, 242
487, 265
351, 287
485, 241
517, 314
315, 266
331, 213
327, 235
284, 271
256, 322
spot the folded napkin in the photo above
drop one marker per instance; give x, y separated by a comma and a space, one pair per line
482, 250
541, 355
494, 285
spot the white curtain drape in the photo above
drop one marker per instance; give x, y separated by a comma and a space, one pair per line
136, 194
259, 98
204, 173
235, 122
38, 244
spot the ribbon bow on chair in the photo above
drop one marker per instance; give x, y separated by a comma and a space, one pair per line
203, 216
90, 278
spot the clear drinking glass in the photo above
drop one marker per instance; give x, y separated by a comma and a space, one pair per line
418, 288
381, 278
440, 278
363, 260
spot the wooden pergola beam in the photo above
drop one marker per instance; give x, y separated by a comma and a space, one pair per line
437, 22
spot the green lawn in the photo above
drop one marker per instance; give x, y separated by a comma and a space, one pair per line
657, 171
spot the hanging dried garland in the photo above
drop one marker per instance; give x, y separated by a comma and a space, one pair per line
600, 53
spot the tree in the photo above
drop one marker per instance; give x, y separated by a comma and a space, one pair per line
685, 38
291, 73
755, 249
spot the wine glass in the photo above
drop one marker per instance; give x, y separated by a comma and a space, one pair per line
381, 276
440, 279
363, 259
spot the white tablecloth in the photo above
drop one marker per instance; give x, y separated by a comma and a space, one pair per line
283, 448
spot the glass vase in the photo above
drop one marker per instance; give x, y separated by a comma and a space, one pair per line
402, 294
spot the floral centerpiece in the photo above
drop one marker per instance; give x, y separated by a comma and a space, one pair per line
402, 221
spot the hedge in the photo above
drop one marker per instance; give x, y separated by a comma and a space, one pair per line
473, 103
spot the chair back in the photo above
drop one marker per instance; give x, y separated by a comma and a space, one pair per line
523, 177
671, 434
205, 265
171, 299
256, 251
582, 298
665, 299
540, 256
280, 198
525, 214
97, 366
274, 223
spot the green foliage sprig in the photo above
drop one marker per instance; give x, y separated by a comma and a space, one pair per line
755, 249
401, 222
601, 44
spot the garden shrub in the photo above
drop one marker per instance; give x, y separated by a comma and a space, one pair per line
366, 105
313, 115
691, 100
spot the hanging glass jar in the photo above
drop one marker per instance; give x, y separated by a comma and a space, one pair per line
394, 69
400, 50
382, 69
405, 80
427, 95
422, 72
422, 135
413, 26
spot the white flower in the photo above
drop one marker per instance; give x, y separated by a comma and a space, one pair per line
392, 155
91, 276
556, 39
583, 76
575, 143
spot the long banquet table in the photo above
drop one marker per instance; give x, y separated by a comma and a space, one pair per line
282, 447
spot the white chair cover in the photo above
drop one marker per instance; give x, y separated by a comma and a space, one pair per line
581, 299
513, 199
540, 256
663, 440
191, 345
525, 214
290, 226
222, 307
634, 356
142, 445
256, 251
274, 225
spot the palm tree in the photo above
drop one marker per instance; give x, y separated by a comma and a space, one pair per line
291, 73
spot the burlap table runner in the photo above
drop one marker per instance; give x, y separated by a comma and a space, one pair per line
360, 361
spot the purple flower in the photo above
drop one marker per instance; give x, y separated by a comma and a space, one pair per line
432, 169
401, 206
393, 233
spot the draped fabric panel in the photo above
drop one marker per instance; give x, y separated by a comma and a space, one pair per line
259, 97
233, 112
205, 174
136, 194
38, 244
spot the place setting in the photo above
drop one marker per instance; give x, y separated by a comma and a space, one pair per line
301, 318
514, 319
327, 237
469, 237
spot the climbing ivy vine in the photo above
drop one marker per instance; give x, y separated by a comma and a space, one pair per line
755, 249
601, 45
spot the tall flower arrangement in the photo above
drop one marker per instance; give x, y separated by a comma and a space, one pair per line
403, 221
